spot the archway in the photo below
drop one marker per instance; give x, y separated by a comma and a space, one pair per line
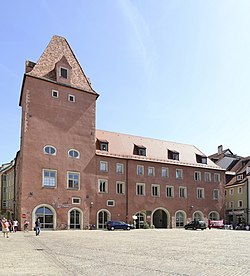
180, 218
160, 218
213, 216
140, 220
103, 216
47, 216
198, 216
75, 219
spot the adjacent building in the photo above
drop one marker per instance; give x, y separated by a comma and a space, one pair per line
71, 175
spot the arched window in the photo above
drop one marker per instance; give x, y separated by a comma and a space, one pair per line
75, 219
213, 216
46, 217
198, 216
49, 150
179, 219
74, 153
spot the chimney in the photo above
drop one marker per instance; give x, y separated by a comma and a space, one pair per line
220, 149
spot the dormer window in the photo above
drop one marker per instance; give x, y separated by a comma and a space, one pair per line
102, 145
63, 72
239, 177
174, 155
139, 150
201, 159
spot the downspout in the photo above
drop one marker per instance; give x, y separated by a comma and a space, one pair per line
126, 192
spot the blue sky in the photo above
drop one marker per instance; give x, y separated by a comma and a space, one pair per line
167, 69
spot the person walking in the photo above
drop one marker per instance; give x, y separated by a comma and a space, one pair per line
15, 225
26, 226
5, 227
38, 227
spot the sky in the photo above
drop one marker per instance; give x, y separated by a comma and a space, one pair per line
174, 70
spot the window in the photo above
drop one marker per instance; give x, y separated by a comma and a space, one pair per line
103, 186
71, 98
216, 194
140, 189
231, 191
110, 203
207, 177
182, 192
73, 153
201, 159
119, 168
164, 172
120, 188
103, 166
239, 190
239, 177
139, 150
180, 219
151, 171
240, 204
217, 177
104, 146
174, 155
200, 193
49, 178
49, 150
155, 189
140, 170
179, 174
73, 179
54, 94
231, 204
197, 176
169, 191
63, 72
76, 200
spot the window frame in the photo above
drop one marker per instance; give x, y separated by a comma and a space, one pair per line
198, 174
166, 172
207, 177
100, 189
74, 198
43, 179
61, 69
216, 191
121, 165
152, 169
177, 176
74, 150
142, 192
51, 147
73, 98
78, 180
52, 94
155, 188
120, 186
217, 177
171, 189
200, 193
109, 201
103, 164
184, 189
142, 170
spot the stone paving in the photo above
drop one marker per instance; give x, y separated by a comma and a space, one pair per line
135, 252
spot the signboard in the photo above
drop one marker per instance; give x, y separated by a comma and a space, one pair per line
23, 215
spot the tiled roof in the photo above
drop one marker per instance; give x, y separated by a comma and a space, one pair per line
122, 146
57, 49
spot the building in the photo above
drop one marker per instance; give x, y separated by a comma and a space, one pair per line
71, 175
237, 189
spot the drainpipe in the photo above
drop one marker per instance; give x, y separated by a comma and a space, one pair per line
126, 192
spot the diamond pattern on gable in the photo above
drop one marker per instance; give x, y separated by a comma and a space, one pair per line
59, 52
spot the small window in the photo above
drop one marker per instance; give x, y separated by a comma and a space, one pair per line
103, 166
110, 203
164, 172
120, 188
140, 170
217, 177
231, 191
140, 189
139, 150
201, 159
102, 186
73, 179
76, 200
63, 72
197, 176
151, 171
155, 190
215, 194
239, 190
119, 168
104, 146
182, 192
71, 98
169, 191
231, 204
179, 174
49, 150
74, 153
207, 177
239, 177
200, 193
240, 204
54, 94
173, 155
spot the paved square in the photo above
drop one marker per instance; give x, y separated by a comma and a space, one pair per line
135, 252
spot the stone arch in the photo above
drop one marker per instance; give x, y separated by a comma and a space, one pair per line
213, 215
80, 218
34, 216
180, 221
103, 216
160, 218
198, 215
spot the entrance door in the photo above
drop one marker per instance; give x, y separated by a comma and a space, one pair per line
160, 219
103, 218
46, 217
75, 219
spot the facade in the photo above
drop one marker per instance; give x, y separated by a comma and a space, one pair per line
71, 175
237, 189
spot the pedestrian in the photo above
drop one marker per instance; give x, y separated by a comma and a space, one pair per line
38, 227
26, 226
15, 225
5, 227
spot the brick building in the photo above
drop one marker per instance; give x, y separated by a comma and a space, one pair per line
69, 173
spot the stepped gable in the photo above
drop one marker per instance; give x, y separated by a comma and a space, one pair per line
58, 50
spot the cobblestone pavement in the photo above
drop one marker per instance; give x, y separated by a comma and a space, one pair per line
135, 252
